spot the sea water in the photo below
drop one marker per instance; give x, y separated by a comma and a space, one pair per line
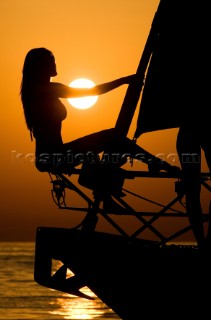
22, 298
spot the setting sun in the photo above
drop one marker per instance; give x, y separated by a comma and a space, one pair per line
85, 102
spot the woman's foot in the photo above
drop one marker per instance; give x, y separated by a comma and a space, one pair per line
162, 166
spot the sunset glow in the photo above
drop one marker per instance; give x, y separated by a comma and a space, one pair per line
89, 39
85, 102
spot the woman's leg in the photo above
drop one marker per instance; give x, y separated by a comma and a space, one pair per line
115, 147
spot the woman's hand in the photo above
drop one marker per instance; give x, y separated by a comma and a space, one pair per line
133, 78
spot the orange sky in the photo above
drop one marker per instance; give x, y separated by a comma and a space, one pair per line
100, 40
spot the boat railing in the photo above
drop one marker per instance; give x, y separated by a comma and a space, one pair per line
94, 206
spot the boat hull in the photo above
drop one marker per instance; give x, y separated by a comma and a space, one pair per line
132, 278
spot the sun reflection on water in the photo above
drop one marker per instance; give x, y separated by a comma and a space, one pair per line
71, 307
78, 308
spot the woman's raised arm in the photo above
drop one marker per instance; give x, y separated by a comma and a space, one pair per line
63, 91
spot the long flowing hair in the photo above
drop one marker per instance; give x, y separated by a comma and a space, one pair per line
37, 64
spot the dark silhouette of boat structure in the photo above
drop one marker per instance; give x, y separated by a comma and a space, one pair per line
135, 276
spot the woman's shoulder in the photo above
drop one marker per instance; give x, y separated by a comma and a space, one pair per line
51, 90
58, 89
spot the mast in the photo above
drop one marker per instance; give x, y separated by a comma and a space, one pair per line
134, 89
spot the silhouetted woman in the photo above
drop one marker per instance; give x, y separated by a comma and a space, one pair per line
44, 113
